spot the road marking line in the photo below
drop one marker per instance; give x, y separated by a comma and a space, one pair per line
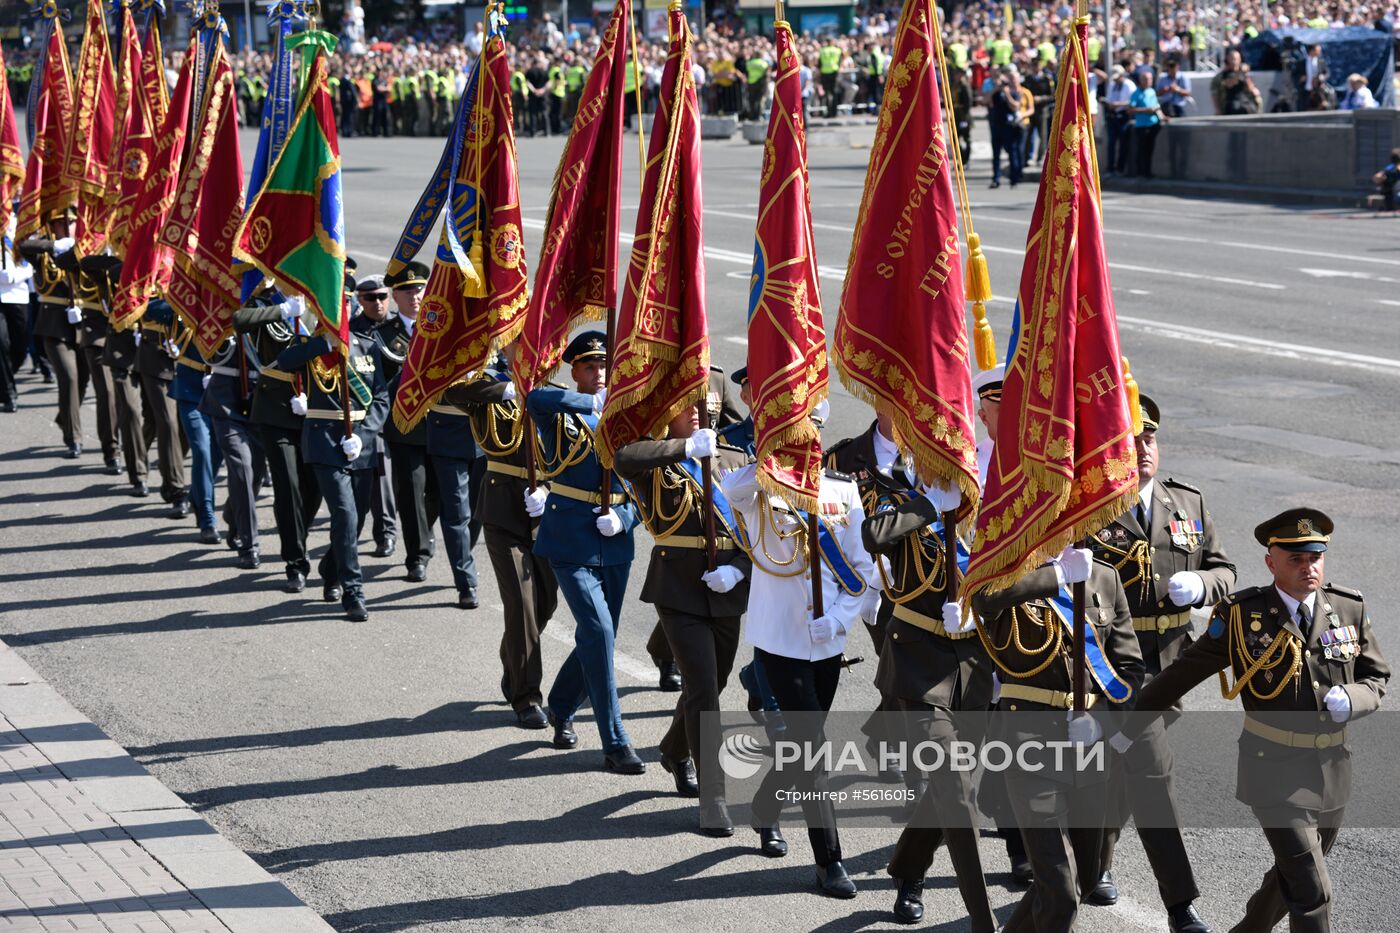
1346, 274
1292, 351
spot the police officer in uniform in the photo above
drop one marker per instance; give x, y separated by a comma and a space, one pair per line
415, 486
800, 650
1169, 558
529, 594
227, 401
1031, 643
1304, 662
119, 357
92, 329
278, 414
344, 466
372, 296
723, 414
932, 665
54, 325
700, 608
590, 550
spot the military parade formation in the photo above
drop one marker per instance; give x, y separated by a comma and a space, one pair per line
1050, 568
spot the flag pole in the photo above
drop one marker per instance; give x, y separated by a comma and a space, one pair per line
1081, 676
950, 556
345, 381
814, 563
708, 487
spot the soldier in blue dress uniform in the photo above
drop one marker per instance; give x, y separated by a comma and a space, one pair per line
454, 457
589, 550
344, 465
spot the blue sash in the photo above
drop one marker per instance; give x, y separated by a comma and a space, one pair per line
1103, 673
963, 554
851, 581
721, 502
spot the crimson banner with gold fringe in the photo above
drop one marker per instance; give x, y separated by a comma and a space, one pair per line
901, 338
1064, 464
11, 158
661, 360
43, 193
457, 331
90, 140
577, 277
130, 136
153, 170
787, 358
203, 221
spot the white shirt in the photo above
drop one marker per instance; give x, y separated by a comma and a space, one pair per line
984, 461
1292, 605
408, 323
14, 276
1145, 497
1359, 99
780, 607
887, 459
1119, 92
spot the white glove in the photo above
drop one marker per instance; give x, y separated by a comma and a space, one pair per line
352, 446
1186, 588
600, 399
75, 315
824, 629
137, 336
608, 523
944, 500
821, 411
508, 394
534, 502
722, 579
294, 308
700, 444
299, 404
1120, 742
996, 689
172, 349
204, 380
1083, 728
1338, 703
953, 620
62, 246
1073, 565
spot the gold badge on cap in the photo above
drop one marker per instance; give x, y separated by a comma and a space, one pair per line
1305, 526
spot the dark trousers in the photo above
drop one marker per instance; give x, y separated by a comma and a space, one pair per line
594, 595
829, 92
126, 395
243, 457
556, 114
1298, 886
1141, 784
100, 378
386, 511
453, 478
476, 475
63, 357
529, 597
295, 495
346, 493
879, 727
1007, 139
14, 337
809, 686
1144, 141
1037, 135
944, 813
705, 649
536, 115
657, 645
1117, 143
415, 491
169, 446
34, 348
1062, 829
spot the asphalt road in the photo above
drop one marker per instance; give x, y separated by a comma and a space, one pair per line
373, 768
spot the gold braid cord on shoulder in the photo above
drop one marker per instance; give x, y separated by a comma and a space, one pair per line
1054, 637
1285, 645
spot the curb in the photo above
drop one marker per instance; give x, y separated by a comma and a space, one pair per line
229, 884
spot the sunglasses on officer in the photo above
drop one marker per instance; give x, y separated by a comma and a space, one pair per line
374, 296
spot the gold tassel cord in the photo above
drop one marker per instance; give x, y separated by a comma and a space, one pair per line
1134, 397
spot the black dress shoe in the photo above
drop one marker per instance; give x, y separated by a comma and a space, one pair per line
234, 543
331, 592
670, 677
505, 687
179, 509
889, 773
111, 467
386, 547
531, 717
771, 842
1183, 918
417, 573
356, 610
564, 734
1105, 893
684, 773
209, 536
715, 821
74, 452
249, 560
8, 407
909, 902
140, 490
835, 882
296, 582
467, 600
624, 761
1021, 871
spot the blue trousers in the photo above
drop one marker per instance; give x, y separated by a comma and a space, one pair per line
455, 514
347, 495
205, 458
594, 595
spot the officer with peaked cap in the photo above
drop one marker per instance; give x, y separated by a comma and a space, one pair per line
372, 297
590, 550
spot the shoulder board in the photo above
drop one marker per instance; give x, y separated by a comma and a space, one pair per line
1343, 591
837, 475
836, 446
716, 369
732, 449
1174, 482
1240, 596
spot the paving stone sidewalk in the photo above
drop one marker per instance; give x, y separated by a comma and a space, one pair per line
90, 841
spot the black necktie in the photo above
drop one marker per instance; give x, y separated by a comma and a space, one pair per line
1142, 515
1304, 618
